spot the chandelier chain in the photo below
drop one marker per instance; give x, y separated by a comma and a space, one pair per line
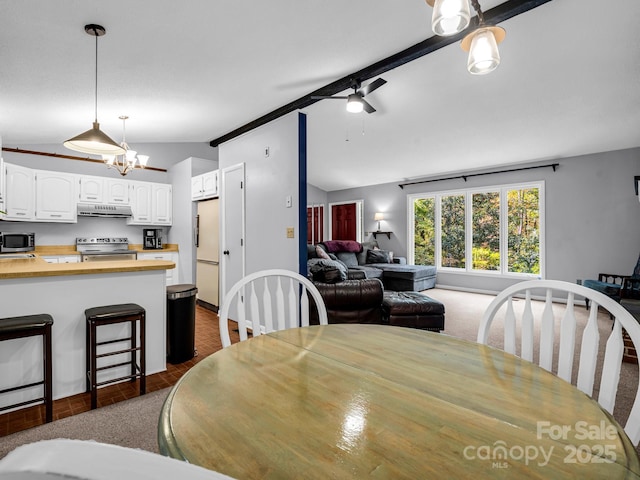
478, 9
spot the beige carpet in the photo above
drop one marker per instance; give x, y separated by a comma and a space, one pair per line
133, 423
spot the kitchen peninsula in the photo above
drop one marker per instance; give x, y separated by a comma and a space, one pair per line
65, 290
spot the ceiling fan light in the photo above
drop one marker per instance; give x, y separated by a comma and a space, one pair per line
109, 159
94, 141
482, 45
450, 16
354, 103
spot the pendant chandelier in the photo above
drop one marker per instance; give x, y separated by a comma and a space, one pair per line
126, 162
453, 16
94, 141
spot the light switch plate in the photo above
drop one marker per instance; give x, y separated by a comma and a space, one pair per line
290, 232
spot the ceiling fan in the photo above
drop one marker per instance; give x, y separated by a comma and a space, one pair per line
355, 101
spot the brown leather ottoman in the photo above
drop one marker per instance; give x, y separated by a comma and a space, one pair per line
413, 310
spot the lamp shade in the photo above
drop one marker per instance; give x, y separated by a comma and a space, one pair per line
354, 103
378, 216
482, 45
449, 16
94, 141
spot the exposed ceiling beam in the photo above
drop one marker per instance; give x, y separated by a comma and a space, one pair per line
496, 15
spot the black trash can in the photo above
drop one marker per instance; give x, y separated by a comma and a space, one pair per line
181, 322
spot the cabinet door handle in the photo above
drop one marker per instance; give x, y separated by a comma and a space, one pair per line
55, 216
92, 198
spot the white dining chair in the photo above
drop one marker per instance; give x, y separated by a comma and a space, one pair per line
545, 323
88, 460
267, 301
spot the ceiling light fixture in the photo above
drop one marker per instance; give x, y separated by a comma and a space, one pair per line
354, 103
126, 162
94, 141
482, 45
453, 16
449, 16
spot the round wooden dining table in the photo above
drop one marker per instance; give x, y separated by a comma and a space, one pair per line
381, 402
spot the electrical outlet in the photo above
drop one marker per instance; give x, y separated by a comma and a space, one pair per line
290, 232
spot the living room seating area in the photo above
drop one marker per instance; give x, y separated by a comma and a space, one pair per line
348, 259
360, 283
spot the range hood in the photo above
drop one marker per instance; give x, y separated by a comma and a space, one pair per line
107, 211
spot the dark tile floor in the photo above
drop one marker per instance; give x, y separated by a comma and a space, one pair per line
207, 341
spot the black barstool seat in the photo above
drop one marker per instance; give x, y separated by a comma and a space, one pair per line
108, 315
30, 326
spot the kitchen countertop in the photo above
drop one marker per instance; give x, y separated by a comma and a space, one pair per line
71, 249
38, 267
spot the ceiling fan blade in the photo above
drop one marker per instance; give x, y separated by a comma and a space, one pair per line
320, 97
377, 83
367, 106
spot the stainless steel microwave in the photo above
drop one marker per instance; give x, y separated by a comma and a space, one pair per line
17, 242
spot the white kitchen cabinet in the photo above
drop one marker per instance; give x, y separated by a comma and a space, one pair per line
173, 277
117, 191
140, 194
112, 191
91, 189
161, 204
204, 186
56, 196
61, 258
2, 179
20, 203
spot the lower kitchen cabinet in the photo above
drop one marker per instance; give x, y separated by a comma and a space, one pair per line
173, 276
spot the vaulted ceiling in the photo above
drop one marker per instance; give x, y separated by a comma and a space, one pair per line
195, 71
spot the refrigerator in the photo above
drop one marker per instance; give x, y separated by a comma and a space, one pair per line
207, 243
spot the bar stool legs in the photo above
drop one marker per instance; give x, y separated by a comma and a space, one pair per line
29, 326
108, 315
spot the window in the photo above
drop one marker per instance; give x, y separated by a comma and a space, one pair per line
494, 230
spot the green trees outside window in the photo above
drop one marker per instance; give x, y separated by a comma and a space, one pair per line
493, 230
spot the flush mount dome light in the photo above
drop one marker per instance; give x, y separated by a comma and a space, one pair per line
354, 103
94, 141
449, 16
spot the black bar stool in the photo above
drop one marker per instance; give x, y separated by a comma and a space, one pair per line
107, 315
30, 326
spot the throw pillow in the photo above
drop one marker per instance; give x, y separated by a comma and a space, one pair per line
348, 258
321, 253
378, 256
327, 271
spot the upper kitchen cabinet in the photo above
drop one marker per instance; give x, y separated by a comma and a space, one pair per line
112, 191
140, 203
161, 204
20, 203
117, 191
151, 204
56, 195
204, 186
2, 180
91, 189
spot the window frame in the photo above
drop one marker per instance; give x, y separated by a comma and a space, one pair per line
468, 193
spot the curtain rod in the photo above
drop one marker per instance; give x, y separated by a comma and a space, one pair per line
464, 177
69, 157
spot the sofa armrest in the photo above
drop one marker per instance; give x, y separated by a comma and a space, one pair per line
400, 260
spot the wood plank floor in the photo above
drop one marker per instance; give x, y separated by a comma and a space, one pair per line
207, 341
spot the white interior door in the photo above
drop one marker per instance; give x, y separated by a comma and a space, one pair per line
232, 227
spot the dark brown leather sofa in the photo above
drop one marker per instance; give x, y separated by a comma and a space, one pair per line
351, 301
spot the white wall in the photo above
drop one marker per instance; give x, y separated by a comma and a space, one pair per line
592, 215
269, 180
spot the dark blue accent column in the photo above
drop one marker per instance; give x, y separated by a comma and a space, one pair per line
302, 193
